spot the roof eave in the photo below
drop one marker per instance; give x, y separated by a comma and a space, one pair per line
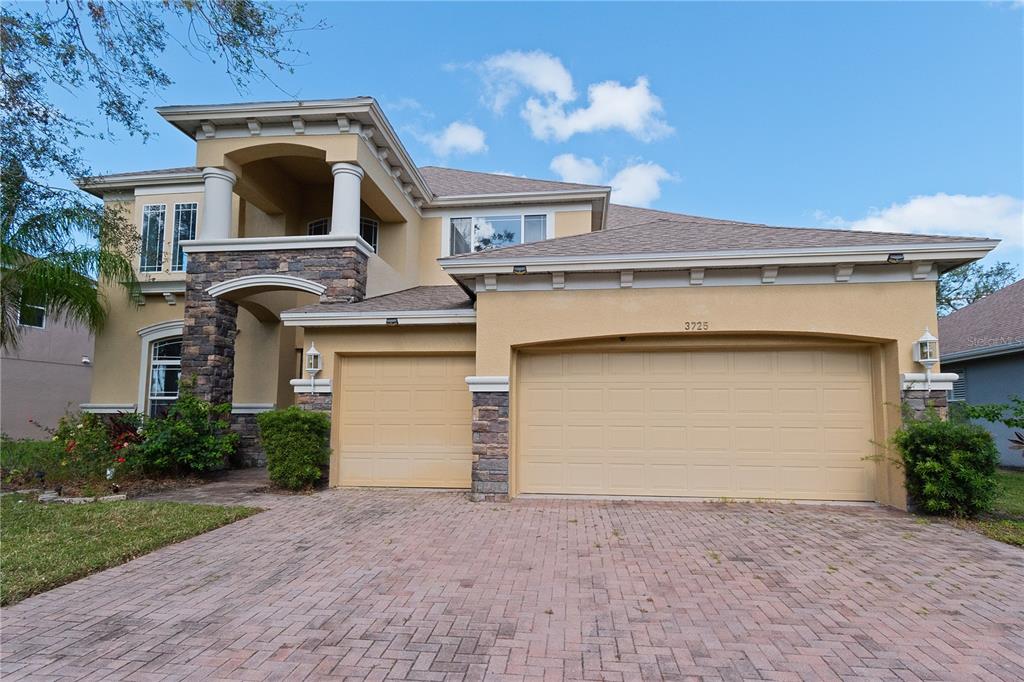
98, 184
979, 353
309, 318
186, 117
960, 251
454, 201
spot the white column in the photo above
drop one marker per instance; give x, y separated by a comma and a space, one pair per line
218, 185
345, 207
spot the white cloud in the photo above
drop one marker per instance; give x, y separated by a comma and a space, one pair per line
990, 215
571, 168
549, 111
506, 73
611, 105
457, 138
638, 184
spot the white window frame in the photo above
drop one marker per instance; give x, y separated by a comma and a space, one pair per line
326, 222
42, 308
549, 224
153, 364
176, 250
150, 335
362, 220
149, 267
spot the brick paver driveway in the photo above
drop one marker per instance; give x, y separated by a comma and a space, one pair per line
426, 585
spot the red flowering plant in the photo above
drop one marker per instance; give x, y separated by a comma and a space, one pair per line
86, 443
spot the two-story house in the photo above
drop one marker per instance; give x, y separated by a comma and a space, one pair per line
508, 335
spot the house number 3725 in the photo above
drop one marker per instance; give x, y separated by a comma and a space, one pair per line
696, 326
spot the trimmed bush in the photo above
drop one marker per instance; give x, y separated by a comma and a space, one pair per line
950, 466
296, 443
193, 437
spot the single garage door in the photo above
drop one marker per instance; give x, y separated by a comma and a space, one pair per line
746, 424
405, 421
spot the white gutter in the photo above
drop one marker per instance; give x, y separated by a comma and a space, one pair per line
969, 250
986, 352
377, 318
517, 197
100, 183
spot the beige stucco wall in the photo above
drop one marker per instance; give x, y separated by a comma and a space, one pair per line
895, 311
118, 346
885, 318
568, 223
332, 342
430, 273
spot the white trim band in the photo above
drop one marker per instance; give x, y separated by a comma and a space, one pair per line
919, 381
308, 386
251, 408
276, 244
378, 318
267, 281
955, 251
487, 384
107, 408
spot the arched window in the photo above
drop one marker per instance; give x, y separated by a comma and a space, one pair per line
164, 375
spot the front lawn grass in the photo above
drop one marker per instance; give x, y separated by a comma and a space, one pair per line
1006, 520
47, 545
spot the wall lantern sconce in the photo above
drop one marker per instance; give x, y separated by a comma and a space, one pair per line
314, 363
926, 353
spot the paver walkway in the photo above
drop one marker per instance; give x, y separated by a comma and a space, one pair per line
380, 584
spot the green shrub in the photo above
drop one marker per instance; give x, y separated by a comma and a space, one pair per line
193, 437
296, 443
31, 463
950, 466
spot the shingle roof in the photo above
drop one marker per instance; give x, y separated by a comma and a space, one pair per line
689, 234
447, 297
625, 216
447, 182
183, 170
996, 320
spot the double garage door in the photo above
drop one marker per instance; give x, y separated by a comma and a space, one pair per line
793, 424
746, 424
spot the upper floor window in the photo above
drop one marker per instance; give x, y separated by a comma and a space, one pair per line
368, 229
152, 254
320, 226
164, 375
32, 314
480, 233
184, 228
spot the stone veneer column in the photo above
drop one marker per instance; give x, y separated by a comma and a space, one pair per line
918, 401
208, 336
490, 446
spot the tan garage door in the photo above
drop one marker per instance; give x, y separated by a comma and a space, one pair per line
745, 424
405, 421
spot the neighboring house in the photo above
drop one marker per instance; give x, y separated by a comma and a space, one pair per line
984, 344
48, 374
602, 350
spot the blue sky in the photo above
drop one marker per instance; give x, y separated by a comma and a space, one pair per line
895, 116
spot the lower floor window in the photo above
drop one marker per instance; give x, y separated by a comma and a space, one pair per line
164, 375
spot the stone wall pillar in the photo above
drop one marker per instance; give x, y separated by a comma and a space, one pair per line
918, 401
315, 402
208, 342
490, 444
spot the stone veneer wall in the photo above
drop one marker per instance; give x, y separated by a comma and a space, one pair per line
211, 324
250, 452
918, 402
490, 446
315, 402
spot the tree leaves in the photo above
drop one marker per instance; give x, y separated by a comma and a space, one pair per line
971, 282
